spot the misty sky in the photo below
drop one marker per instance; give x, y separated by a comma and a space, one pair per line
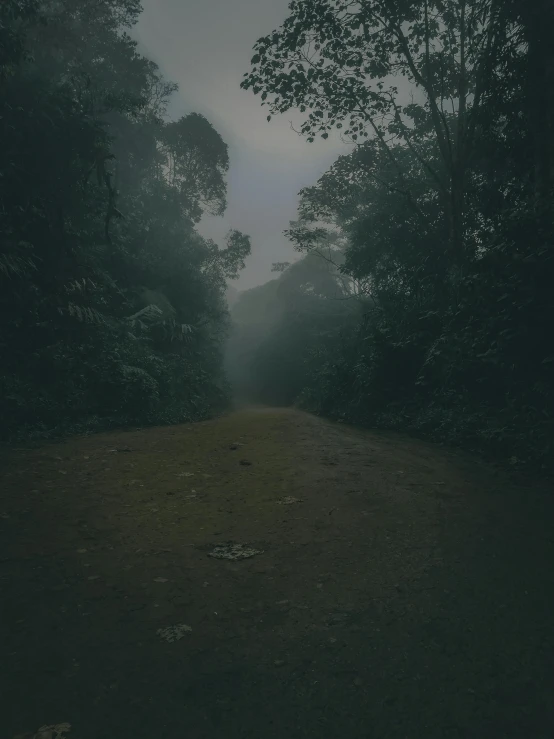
206, 46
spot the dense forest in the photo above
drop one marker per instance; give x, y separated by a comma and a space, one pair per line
423, 299
113, 306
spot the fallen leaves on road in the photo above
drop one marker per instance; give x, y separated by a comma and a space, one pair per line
173, 633
54, 731
289, 500
234, 551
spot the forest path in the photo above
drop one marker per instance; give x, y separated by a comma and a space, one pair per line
403, 592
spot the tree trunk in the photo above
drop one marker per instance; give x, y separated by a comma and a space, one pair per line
457, 198
538, 20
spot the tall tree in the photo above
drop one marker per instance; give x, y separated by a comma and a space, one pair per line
197, 164
341, 60
537, 20
112, 305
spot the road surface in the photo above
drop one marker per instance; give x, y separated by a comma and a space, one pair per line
395, 590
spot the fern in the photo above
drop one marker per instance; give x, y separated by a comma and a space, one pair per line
150, 317
80, 285
151, 311
12, 264
140, 320
83, 313
177, 331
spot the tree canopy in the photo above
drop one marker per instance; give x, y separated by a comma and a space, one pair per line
113, 307
423, 290
443, 211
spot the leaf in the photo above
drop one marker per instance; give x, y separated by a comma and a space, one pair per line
234, 551
174, 633
53, 731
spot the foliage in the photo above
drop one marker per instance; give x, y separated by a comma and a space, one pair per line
112, 305
442, 214
341, 61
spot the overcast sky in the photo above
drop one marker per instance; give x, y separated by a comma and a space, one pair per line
206, 46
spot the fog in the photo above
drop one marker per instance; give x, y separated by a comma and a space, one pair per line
205, 47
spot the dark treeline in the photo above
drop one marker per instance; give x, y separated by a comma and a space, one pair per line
423, 297
424, 300
112, 305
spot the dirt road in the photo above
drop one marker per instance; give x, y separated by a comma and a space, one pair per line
399, 591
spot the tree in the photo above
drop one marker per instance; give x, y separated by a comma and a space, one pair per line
362, 200
537, 21
470, 365
197, 164
339, 60
113, 307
